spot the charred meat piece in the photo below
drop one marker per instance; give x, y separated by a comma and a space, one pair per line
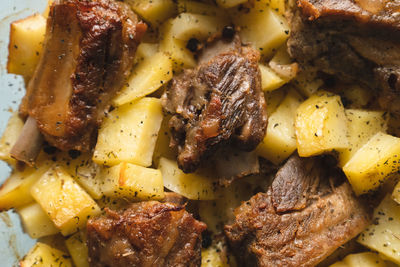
218, 102
356, 41
88, 54
307, 213
146, 234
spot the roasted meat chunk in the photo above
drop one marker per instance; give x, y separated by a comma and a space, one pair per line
356, 41
306, 214
218, 102
145, 234
88, 53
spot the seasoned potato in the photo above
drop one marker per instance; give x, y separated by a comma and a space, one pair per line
307, 83
373, 163
162, 148
357, 95
147, 77
283, 64
365, 259
153, 11
277, 5
382, 235
192, 186
230, 3
145, 50
36, 222
188, 6
274, 99
280, 141
64, 201
78, 249
26, 41
321, 125
361, 126
131, 181
42, 255
270, 80
10, 136
213, 257
129, 133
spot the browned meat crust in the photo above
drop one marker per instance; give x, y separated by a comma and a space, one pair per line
217, 103
357, 41
303, 217
88, 54
146, 234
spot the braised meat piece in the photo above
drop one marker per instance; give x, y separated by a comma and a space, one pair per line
356, 41
306, 214
146, 234
218, 102
87, 55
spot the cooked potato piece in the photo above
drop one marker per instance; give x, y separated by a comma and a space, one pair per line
145, 50
262, 27
339, 264
307, 83
131, 181
15, 192
26, 37
280, 141
373, 163
147, 77
129, 133
383, 234
188, 6
274, 99
42, 255
64, 201
36, 222
195, 186
270, 80
364, 259
162, 148
230, 3
321, 125
153, 11
357, 96
78, 249
10, 136
283, 64
277, 5
361, 126
213, 257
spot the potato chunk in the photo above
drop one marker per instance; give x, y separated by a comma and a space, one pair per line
131, 181
188, 6
153, 11
382, 235
129, 133
26, 41
280, 141
147, 77
361, 126
364, 259
64, 201
77, 248
42, 255
270, 80
36, 222
10, 136
192, 186
321, 125
373, 163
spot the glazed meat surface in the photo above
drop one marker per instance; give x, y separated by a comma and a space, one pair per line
306, 214
88, 54
356, 41
146, 234
218, 102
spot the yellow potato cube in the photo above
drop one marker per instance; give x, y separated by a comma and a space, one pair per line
321, 125
230, 3
192, 186
145, 50
382, 235
147, 77
64, 201
77, 248
364, 259
373, 163
10, 136
25, 47
131, 181
36, 222
277, 5
129, 133
162, 148
361, 126
213, 256
153, 11
273, 99
187, 6
269, 79
280, 141
42, 255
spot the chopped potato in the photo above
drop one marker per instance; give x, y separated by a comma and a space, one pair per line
145, 50
357, 96
153, 11
192, 185
274, 99
280, 141
213, 256
36, 222
132, 182
277, 5
78, 249
321, 125
373, 163
162, 148
383, 234
129, 133
64, 201
307, 83
42, 255
26, 41
147, 77
270, 80
361, 126
10, 136
230, 3
283, 64
188, 6
364, 259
